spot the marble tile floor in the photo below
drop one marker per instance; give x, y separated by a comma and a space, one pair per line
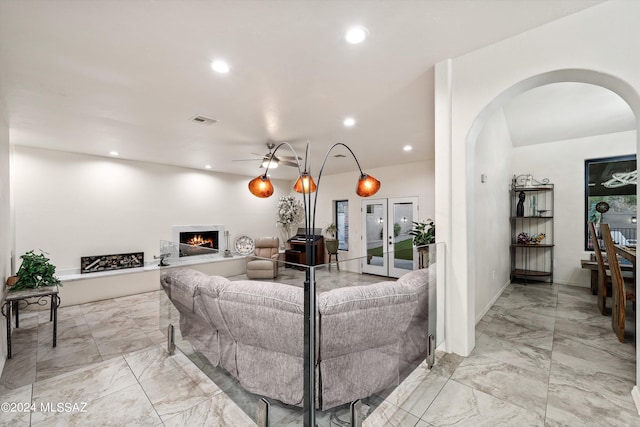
544, 356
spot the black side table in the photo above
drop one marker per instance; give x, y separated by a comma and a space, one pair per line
28, 297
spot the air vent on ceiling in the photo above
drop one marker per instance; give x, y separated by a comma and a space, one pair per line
203, 120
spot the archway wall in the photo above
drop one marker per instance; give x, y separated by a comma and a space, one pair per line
595, 46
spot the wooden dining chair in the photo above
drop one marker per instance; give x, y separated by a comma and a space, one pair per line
620, 293
602, 271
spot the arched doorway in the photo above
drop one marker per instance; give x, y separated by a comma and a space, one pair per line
472, 209
456, 206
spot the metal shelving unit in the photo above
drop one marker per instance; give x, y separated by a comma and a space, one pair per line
531, 258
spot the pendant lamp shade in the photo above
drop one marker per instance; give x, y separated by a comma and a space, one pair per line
305, 184
261, 186
367, 186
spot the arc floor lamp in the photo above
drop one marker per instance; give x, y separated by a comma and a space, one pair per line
261, 186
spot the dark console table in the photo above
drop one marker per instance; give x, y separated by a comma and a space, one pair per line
297, 254
28, 297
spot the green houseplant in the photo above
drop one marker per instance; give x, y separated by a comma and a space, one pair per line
331, 230
35, 271
424, 233
331, 243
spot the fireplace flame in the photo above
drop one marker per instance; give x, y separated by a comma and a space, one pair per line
198, 240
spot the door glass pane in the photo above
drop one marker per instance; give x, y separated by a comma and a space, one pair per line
342, 224
403, 242
375, 233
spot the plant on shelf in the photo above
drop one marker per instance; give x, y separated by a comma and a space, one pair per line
424, 233
35, 272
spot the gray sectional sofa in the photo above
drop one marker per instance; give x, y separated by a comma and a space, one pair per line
368, 337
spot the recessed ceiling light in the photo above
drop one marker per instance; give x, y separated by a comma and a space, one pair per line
207, 166
220, 66
114, 153
349, 122
356, 35
407, 148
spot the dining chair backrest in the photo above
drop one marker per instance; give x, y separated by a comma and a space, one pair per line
618, 306
602, 270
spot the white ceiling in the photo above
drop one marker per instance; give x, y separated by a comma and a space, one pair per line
96, 76
564, 111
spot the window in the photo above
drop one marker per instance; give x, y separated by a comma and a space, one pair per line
610, 197
342, 223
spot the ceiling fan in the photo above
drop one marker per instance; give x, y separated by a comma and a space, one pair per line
275, 160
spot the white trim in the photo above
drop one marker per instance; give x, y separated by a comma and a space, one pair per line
493, 301
635, 394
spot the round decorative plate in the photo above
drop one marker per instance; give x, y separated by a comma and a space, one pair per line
244, 245
602, 207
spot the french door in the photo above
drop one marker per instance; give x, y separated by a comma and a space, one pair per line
387, 246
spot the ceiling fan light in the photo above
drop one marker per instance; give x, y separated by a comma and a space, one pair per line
274, 164
367, 186
261, 186
305, 184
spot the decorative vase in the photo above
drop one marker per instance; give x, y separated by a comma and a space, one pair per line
423, 257
331, 245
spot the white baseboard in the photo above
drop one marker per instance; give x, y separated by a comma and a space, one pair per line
635, 394
493, 301
568, 283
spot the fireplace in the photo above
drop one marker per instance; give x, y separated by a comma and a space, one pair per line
198, 242
199, 239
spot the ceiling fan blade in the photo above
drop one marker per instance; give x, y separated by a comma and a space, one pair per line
292, 158
245, 160
288, 163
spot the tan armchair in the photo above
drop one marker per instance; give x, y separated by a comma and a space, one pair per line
266, 266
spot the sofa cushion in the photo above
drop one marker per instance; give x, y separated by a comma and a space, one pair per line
358, 318
270, 373
358, 375
265, 314
206, 301
414, 344
261, 264
181, 285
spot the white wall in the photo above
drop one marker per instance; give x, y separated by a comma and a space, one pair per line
563, 163
5, 225
591, 46
492, 227
407, 180
73, 205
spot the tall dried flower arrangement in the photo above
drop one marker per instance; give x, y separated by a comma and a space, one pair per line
290, 213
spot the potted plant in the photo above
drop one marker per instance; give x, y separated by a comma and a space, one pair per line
424, 234
331, 243
35, 271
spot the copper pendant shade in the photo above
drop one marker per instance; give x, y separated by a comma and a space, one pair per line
261, 186
367, 186
305, 184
